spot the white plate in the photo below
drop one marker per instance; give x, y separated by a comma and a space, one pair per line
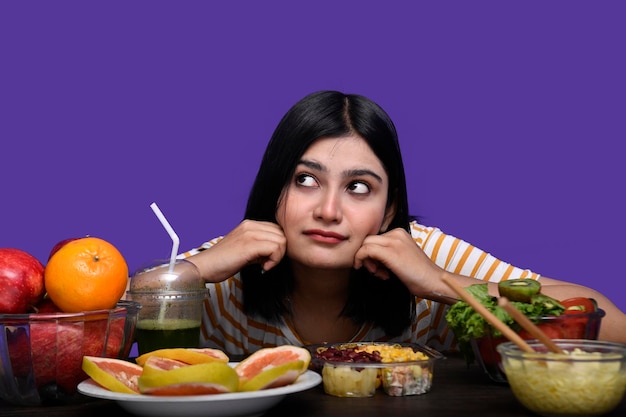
234, 404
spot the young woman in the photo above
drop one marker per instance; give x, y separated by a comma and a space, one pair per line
328, 251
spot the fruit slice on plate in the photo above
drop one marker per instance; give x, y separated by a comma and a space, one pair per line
272, 367
190, 356
113, 374
200, 379
273, 377
163, 364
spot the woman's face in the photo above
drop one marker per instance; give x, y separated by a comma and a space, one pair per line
336, 197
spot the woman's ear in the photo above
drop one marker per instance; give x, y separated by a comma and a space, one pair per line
390, 213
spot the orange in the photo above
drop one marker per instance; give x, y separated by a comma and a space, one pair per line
86, 274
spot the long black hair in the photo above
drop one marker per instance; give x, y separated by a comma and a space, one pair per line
385, 303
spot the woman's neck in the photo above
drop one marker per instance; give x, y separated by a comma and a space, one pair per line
317, 300
321, 285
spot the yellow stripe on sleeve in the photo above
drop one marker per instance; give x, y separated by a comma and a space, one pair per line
477, 265
494, 266
451, 253
463, 260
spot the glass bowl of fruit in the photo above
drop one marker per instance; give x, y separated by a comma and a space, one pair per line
41, 353
361, 369
573, 318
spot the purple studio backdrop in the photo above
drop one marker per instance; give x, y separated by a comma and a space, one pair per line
510, 117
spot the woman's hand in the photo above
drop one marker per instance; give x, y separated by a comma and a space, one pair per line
251, 242
397, 251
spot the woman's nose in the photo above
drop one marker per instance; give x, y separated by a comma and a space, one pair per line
329, 207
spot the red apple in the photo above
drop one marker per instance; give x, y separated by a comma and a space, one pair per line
21, 281
60, 244
55, 349
45, 306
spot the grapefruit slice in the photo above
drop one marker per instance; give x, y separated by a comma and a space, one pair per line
113, 374
272, 367
191, 356
163, 364
277, 376
200, 379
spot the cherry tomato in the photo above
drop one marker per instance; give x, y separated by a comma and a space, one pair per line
578, 305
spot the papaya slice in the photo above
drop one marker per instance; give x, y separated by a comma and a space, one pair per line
199, 379
116, 375
190, 356
272, 367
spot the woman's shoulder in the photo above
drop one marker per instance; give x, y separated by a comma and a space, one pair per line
421, 233
416, 227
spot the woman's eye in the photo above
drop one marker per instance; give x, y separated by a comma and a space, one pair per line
359, 188
305, 180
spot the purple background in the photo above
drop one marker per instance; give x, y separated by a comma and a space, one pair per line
510, 116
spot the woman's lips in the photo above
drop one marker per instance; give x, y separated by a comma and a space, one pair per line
325, 236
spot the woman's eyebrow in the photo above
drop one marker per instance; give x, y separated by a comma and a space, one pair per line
361, 172
312, 165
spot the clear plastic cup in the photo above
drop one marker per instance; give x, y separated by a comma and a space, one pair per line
171, 301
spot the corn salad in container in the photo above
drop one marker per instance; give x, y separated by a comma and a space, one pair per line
361, 369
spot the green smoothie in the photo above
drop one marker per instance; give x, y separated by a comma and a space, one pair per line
171, 333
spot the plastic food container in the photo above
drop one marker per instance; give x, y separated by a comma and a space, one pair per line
400, 369
588, 380
565, 326
41, 353
171, 305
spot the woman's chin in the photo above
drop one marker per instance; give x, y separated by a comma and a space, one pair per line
332, 265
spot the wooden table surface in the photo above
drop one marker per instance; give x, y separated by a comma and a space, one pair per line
458, 390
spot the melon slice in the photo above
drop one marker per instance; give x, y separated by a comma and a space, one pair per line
200, 379
190, 356
272, 367
113, 374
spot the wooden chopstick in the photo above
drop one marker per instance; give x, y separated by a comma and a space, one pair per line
528, 325
488, 315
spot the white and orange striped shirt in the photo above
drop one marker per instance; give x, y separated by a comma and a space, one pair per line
225, 326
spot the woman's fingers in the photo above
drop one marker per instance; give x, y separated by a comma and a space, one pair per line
375, 268
251, 242
386, 250
397, 252
259, 242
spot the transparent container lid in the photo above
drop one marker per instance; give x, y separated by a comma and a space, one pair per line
158, 278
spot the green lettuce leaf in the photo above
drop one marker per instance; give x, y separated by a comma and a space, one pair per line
468, 324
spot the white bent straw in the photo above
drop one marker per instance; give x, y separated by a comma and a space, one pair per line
170, 231
175, 243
